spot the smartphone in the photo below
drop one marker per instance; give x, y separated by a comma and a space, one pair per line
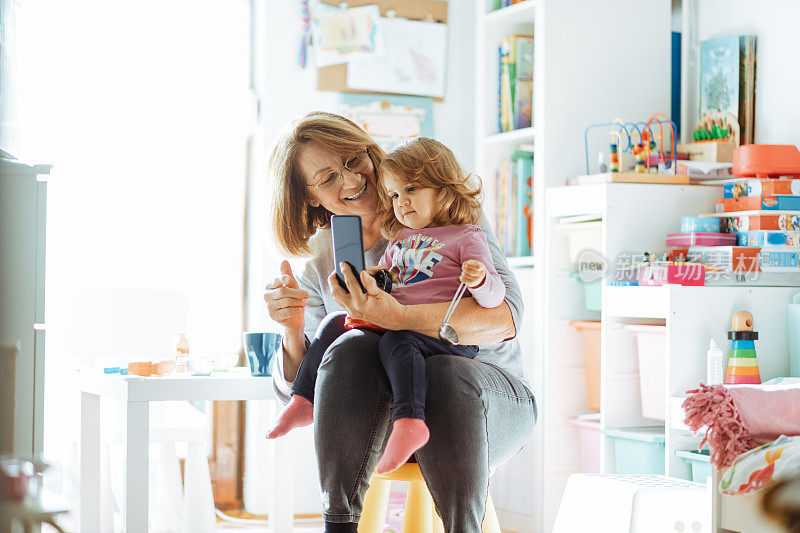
348, 245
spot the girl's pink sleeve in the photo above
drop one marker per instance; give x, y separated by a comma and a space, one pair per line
491, 292
386, 260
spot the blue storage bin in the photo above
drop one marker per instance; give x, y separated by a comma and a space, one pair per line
592, 292
638, 450
699, 461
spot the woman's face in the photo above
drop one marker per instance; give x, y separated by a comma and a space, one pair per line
352, 194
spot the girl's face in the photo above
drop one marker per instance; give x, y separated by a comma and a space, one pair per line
414, 206
342, 185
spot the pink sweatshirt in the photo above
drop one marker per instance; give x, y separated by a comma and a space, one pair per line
426, 263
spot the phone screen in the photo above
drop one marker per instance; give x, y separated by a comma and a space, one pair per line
348, 245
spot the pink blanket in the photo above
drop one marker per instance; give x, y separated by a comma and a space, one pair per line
740, 418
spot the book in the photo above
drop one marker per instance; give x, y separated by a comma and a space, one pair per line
756, 187
727, 80
705, 170
524, 206
768, 237
516, 78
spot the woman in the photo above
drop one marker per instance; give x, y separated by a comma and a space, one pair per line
480, 412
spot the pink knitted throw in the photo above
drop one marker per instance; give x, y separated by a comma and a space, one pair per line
740, 418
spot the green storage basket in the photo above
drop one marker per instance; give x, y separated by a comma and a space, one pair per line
638, 450
699, 461
592, 292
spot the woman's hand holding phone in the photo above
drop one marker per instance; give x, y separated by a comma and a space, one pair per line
372, 304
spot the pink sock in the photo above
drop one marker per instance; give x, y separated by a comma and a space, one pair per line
297, 413
408, 435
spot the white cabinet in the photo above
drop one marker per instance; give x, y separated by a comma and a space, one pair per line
23, 194
636, 218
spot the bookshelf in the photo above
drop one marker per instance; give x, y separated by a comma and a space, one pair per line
580, 77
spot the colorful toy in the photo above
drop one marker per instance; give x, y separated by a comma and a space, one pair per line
640, 140
742, 362
766, 160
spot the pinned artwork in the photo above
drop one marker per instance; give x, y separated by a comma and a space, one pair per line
390, 119
342, 35
413, 62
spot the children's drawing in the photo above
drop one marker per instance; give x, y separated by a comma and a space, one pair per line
341, 35
390, 119
413, 61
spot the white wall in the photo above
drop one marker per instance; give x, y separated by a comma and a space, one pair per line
290, 91
774, 22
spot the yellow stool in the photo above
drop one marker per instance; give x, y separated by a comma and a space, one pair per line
420, 515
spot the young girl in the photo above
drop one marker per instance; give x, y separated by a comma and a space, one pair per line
429, 208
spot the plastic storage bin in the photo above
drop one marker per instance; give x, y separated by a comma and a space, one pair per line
638, 450
591, 353
699, 461
592, 293
589, 440
651, 347
582, 235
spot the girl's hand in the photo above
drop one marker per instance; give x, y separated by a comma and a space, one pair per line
375, 305
472, 273
286, 301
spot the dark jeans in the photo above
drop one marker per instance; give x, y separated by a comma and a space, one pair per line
331, 327
403, 356
479, 416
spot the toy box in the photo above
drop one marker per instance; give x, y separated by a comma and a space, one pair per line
730, 258
685, 274
760, 220
715, 151
755, 203
700, 239
765, 238
755, 187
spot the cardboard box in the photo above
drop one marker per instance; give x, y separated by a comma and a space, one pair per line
758, 203
754, 187
714, 151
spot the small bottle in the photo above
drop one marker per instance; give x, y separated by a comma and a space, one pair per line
602, 168
714, 365
181, 352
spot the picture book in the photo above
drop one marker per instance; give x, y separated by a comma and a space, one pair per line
727, 80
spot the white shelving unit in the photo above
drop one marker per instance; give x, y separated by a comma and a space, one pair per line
581, 76
636, 218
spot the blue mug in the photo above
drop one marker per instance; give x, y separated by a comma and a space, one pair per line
260, 348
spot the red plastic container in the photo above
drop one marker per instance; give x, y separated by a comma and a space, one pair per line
701, 239
766, 160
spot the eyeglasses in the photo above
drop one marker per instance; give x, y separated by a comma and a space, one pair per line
356, 164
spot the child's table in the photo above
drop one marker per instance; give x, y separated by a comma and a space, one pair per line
136, 393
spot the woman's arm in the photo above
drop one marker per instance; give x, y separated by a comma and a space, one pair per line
475, 324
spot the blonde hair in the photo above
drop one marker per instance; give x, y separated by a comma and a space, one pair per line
428, 163
294, 220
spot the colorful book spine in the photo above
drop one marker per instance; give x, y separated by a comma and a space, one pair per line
511, 213
780, 259
759, 203
770, 222
524, 207
756, 187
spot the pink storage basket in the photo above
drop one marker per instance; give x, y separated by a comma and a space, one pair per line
589, 438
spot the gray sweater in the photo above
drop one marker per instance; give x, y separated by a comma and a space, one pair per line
506, 355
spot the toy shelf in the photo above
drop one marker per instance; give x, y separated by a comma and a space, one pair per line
571, 89
635, 218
